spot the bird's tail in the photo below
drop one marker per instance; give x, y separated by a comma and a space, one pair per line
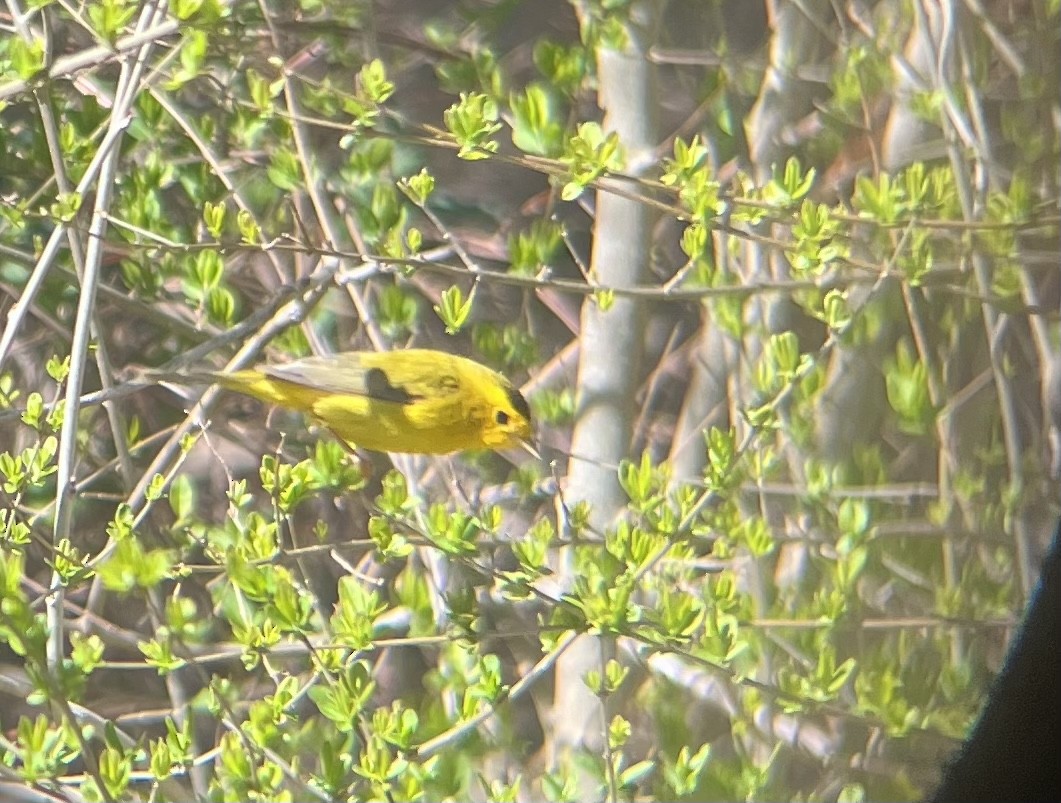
156, 377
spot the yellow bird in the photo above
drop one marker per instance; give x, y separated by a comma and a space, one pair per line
417, 400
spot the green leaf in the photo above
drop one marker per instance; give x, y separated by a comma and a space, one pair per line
637, 773
193, 49
881, 200
221, 306
355, 614
531, 251
284, 170
202, 12
27, 58
158, 653
473, 123
565, 67
538, 125
182, 498
214, 218
131, 566
906, 382
588, 155
372, 82
87, 651
419, 187
453, 309
109, 17
248, 228
619, 731
689, 160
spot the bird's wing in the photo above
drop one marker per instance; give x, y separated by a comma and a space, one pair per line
400, 380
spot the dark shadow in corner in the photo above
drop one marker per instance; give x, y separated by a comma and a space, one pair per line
1014, 751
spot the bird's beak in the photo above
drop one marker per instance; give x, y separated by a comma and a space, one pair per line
529, 449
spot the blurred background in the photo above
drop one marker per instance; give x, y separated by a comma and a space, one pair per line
779, 279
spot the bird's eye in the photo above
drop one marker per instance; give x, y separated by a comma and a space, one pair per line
501, 417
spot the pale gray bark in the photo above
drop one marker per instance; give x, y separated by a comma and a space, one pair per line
908, 136
611, 346
707, 402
